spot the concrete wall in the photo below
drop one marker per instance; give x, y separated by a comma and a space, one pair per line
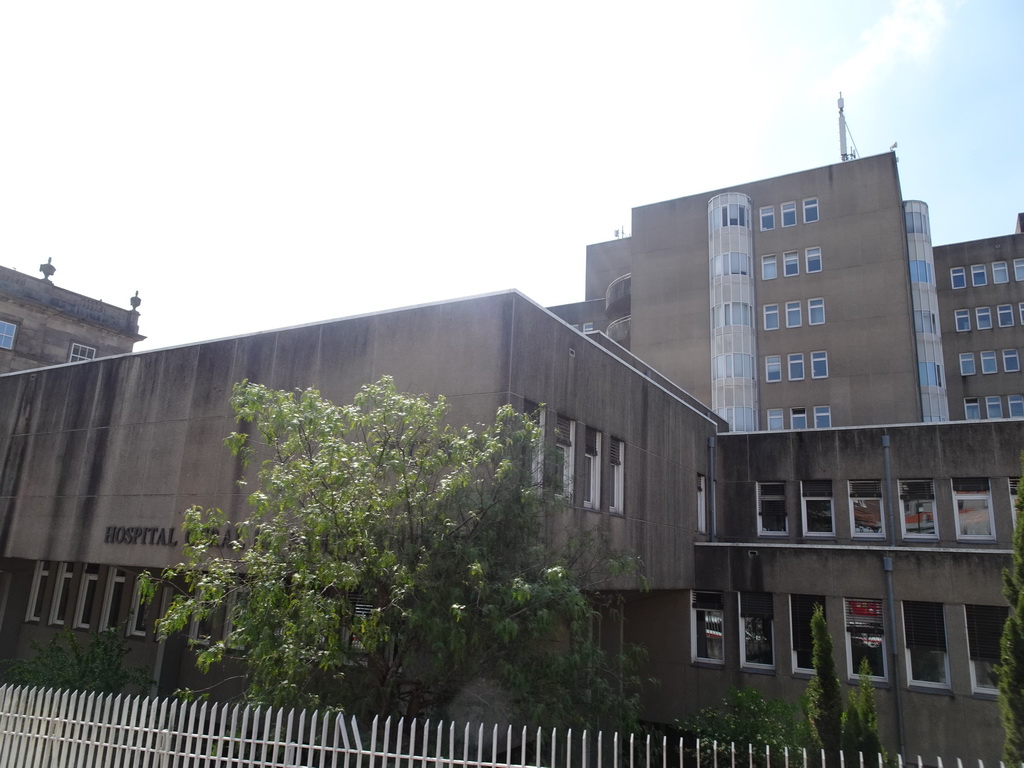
99, 460
999, 338
864, 282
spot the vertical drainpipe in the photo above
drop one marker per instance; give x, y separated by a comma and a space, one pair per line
890, 596
710, 493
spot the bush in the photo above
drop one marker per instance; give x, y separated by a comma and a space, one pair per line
67, 664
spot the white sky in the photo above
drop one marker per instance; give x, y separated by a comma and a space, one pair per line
252, 165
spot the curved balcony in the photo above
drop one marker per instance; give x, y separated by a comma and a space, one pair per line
618, 331
618, 297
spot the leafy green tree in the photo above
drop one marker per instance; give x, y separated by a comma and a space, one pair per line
1010, 669
747, 718
65, 663
391, 563
860, 722
824, 698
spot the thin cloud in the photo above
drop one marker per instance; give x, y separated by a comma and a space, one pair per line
909, 32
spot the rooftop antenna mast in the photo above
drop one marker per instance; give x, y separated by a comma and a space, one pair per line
843, 131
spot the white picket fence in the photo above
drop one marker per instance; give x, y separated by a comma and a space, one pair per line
51, 729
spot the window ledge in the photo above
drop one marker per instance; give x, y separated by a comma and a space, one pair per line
708, 663
758, 671
929, 689
985, 695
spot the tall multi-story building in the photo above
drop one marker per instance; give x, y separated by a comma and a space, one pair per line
807, 300
44, 324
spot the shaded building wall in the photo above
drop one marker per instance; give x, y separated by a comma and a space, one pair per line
98, 461
990, 375
959, 566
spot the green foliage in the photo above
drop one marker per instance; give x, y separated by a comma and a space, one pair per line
747, 718
67, 664
395, 564
824, 698
1011, 649
860, 722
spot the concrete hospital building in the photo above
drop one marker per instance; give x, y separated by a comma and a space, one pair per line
776, 394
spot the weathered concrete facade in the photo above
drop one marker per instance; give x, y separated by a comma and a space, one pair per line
100, 460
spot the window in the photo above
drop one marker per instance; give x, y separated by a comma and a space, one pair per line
812, 257
865, 636
87, 596
984, 629
810, 210
924, 321
61, 593
702, 504
588, 327
921, 272
81, 352
993, 407
1004, 315
112, 597
1018, 270
732, 263
791, 264
729, 215
988, 362
1020, 310
771, 317
1011, 361
1000, 274
1014, 483
732, 366
767, 218
929, 374
795, 361
771, 508
973, 504
958, 277
983, 315
789, 214
925, 630
138, 618
963, 318
731, 313
801, 609
866, 512
819, 365
1015, 405
967, 364
769, 268
815, 311
917, 498
592, 469
917, 222
565, 437
38, 593
798, 418
773, 368
7, 335
757, 615
793, 316
817, 507
979, 275
822, 416
775, 418
972, 410
707, 627
616, 454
